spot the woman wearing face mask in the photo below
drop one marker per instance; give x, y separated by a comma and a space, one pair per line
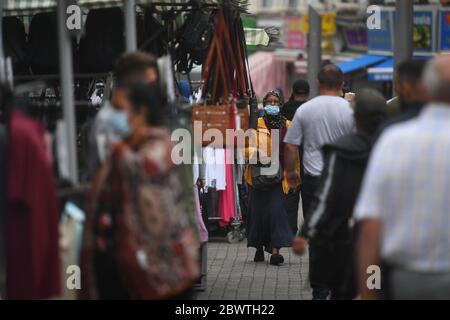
138, 241
269, 227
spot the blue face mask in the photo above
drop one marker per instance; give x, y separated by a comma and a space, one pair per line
119, 122
271, 110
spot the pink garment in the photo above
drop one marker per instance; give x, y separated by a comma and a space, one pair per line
198, 216
226, 198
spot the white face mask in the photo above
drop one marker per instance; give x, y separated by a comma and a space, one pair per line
119, 122
271, 110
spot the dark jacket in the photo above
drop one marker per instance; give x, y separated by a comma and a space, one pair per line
330, 224
410, 111
289, 108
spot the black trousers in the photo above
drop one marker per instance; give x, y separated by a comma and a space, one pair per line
291, 203
308, 190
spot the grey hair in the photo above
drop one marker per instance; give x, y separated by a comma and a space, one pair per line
437, 86
430, 78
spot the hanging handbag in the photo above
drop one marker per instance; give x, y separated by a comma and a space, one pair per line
219, 112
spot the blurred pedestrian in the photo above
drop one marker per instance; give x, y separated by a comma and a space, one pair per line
110, 124
320, 121
404, 207
268, 223
329, 226
300, 94
138, 241
411, 93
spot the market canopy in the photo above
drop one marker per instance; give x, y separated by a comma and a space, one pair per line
254, 36
361, 62
27, 7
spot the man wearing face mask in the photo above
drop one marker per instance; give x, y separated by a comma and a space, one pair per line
111, 123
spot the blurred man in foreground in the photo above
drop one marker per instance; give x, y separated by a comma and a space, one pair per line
404, 208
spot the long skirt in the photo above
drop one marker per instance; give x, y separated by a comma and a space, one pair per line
268, 220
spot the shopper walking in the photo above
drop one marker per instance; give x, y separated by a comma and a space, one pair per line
110, 124
404, 208
269, 227
138, 241
300, 94
320, 121
411, 93
329, 227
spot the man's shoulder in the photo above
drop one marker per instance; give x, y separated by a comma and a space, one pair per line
326, 101
399, 132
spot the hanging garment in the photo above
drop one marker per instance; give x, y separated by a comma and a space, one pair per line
2, 210
32, 255
201, 224
227, 208
220, 174
209, 163
214, 168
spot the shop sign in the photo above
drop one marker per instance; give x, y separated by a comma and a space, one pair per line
328, 23
294, 36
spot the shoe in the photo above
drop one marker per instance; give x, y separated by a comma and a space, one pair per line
276, 259
259, 255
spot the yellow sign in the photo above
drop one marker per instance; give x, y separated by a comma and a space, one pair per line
328, 23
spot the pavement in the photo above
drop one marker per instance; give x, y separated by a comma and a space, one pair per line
232, 275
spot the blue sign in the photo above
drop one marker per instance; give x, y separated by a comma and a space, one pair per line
444, 23
379, 77
381, 40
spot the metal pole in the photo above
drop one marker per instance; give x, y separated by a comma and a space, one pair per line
67, 99
129, 8
1, 30
2, 54
403, 44
314, 49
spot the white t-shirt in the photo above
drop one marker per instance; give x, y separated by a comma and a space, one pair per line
320, 121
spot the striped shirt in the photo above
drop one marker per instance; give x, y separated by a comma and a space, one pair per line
407, 187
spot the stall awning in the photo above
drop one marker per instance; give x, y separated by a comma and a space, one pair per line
382, 71
361, 62
27, 7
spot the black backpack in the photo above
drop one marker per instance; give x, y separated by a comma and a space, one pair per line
103, 41
15, 43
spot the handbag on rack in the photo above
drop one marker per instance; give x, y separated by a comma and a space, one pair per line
220, 82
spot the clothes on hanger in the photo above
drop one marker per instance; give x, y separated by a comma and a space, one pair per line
213, 167
31, 222
3, 139
203, 232
227, 209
